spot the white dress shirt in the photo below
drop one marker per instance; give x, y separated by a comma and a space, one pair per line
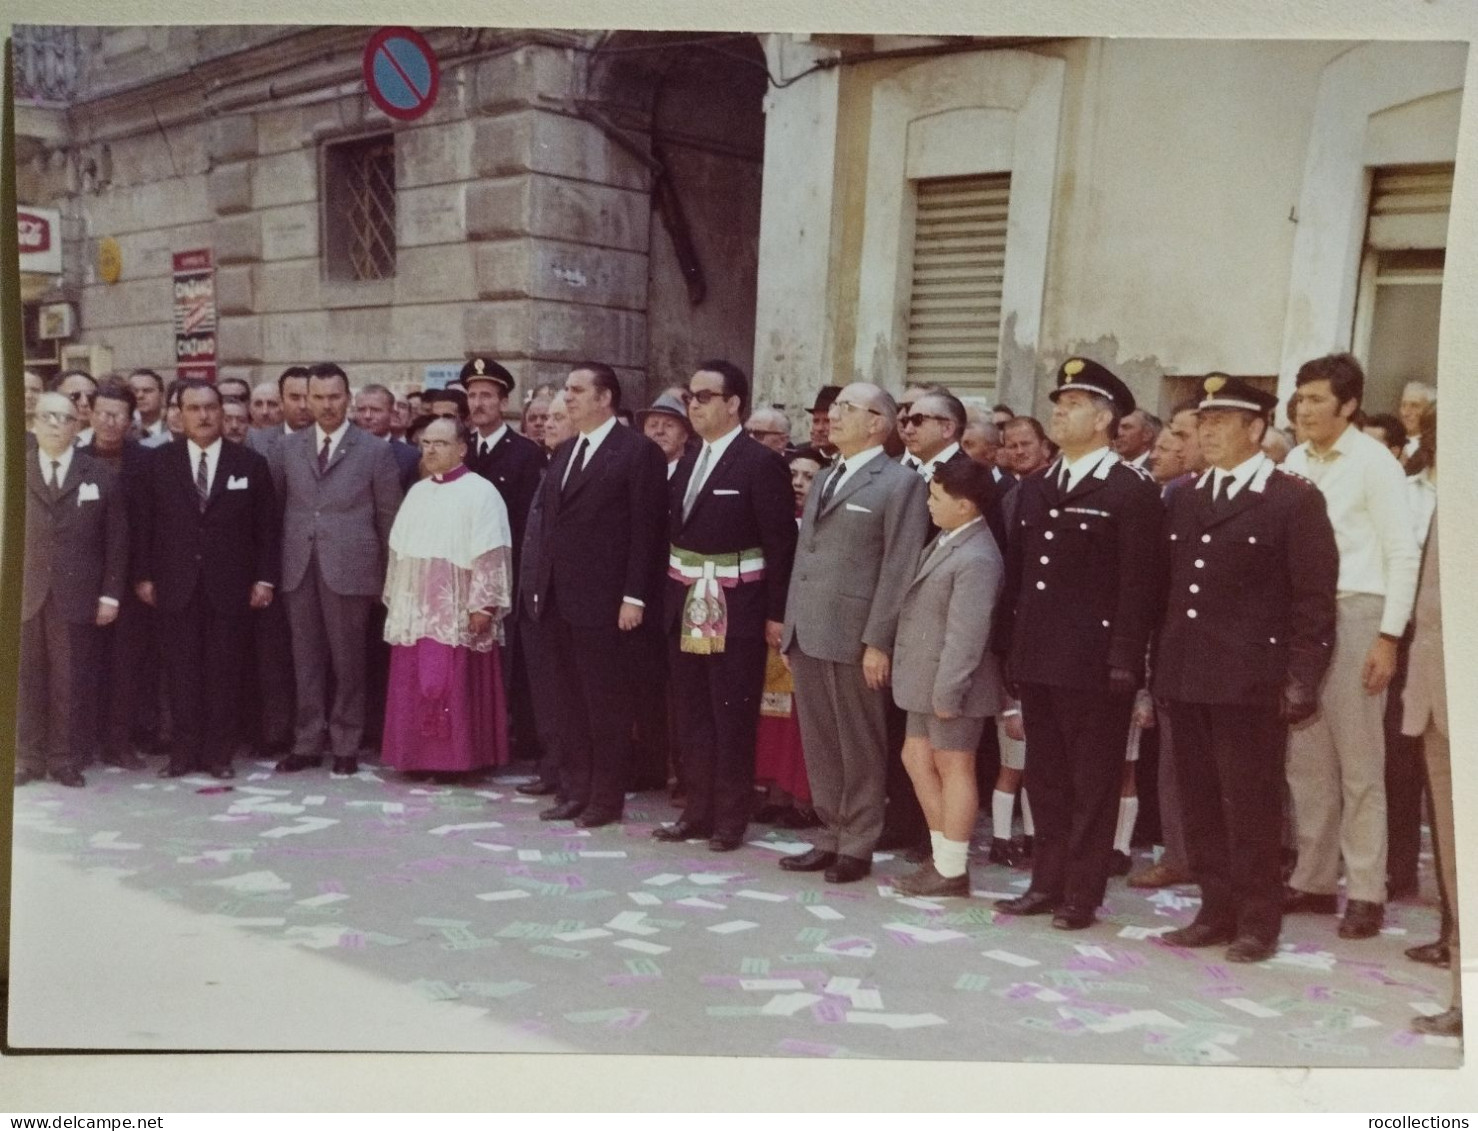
64, 461
1366, 495
716, 450
484, 444
846, 467
334, 439
1239, 475
1079, 469
593, 440
212, 458
927, 468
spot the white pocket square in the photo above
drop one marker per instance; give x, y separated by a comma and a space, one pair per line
235, 484
724, 491
87, 493
855, 507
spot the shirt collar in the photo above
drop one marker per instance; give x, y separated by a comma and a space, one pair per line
1240, 474
950, 534
596, 435
333, 437
65, 460
211, 452
862, 458
944, 456
717, 448
492, 438
451, 476
1087, 461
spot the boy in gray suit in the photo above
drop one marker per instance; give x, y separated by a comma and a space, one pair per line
943, 676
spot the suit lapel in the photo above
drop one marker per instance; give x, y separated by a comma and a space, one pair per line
73, 479
595, 463
1245, 499
715, 474
35, 483
855, 481
223, 462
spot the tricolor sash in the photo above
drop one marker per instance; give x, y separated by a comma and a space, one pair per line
705, 617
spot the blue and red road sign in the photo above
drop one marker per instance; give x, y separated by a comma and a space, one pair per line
400, 72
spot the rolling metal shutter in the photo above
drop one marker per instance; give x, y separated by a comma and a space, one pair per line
954, 309
1409, 205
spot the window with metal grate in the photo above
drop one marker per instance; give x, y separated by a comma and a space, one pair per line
359, 208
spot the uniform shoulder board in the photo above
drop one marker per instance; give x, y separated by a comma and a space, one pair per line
1139, 471
1296, 477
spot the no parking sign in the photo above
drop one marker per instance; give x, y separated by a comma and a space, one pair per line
401, 73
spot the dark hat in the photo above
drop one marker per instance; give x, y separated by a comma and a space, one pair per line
1221, 391
486, 369
1089, 376
666, 405
825, 397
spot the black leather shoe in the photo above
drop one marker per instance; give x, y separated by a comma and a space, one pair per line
813, 861
124, 760
1250, 948
1363, 920
848, 870
1120, 864
725, 843
296, 762
680, 831
1073, 919
1448, 1024
1029, 903
1198, 935
26, 777
1405, 887
1002, 852
223, 773
536, 788
598, 818
1432, 953
564, 811
171, 772
348, 767
71, 778
1295, 901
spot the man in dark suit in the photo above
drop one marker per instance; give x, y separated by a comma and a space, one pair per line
208, 554
732, 531
1081, 595
374, 406
1247, 637
73, 573
340, 490
604, 507
513, 464
127, 674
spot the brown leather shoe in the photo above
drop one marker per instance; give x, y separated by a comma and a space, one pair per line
929, 883
1250, 948
1432, 953
1363, 920
1158, 876
1447, 1024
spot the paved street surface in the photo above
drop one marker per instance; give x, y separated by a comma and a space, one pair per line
308, 912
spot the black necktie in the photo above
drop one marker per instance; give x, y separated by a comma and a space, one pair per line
202, 482
54, 488
1220, 491
1062, 479
579, 463
323, 455
831, 484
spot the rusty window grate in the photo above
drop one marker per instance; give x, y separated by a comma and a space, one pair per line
359, 217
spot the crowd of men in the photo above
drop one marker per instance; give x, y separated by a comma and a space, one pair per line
955, 592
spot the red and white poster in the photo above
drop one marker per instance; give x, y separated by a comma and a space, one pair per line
195, 314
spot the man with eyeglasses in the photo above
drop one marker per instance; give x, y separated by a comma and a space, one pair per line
770, 427
74, 566
79, 388
732, 532
864, 524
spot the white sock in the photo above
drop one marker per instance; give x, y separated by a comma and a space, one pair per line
1001, 804
1128, 814
935, 840
950, 856
1027, 825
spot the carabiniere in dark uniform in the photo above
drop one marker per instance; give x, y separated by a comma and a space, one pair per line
1081, 593
1247, 636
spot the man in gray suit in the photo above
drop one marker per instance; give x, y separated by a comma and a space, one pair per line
340, 489
860, 537
74, 571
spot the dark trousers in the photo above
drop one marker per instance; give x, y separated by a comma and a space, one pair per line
652, 751
903, 817
533, 637
716, 699
1406, 776
275, 692
523, 718
1076, 740
205, 662
592, 668
1229, 767
376, 676
56, 719
121, 678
